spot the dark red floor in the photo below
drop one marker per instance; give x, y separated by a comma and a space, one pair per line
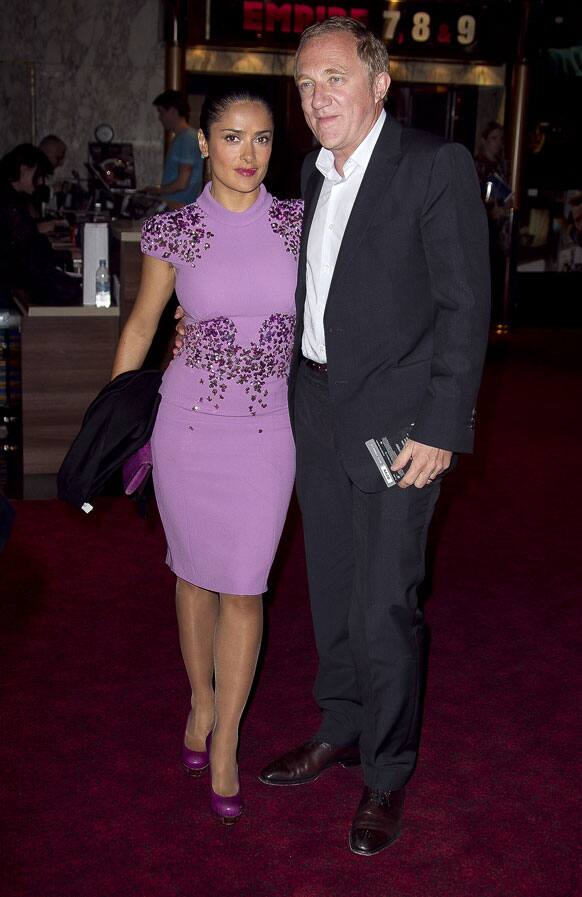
94, 696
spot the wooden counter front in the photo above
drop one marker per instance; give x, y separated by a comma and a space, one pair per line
67, 355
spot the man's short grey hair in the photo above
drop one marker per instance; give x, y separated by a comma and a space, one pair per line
370, 48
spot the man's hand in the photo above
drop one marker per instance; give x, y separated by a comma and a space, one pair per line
180, 330
426, 463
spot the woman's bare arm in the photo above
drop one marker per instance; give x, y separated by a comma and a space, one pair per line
156, 287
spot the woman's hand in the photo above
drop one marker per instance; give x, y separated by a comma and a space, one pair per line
180, 330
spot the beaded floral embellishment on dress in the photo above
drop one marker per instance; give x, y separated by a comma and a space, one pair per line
211, 346
182, 234
285, 217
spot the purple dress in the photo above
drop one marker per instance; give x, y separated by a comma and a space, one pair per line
223, 453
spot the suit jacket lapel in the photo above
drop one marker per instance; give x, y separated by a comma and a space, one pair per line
380, 171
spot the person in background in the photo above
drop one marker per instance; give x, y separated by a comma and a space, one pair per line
489, 158
493, 175
27, 259
182, 177
54, 149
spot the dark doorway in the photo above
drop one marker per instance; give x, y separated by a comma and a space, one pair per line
448, 110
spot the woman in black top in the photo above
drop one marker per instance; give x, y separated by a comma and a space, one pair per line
27, 260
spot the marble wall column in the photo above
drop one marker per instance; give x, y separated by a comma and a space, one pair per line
91, 61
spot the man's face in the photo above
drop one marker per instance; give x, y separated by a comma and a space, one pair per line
56, 154
339, 103
167, 117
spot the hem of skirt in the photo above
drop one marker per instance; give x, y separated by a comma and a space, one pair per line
214, 587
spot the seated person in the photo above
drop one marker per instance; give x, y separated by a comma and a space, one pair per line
55, 151
27, 259
182, 177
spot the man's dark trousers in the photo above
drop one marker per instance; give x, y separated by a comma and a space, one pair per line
365, 561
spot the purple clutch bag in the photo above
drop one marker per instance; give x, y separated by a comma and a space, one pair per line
137, 469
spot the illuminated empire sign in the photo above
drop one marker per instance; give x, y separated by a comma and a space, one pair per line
293, 18
433, 29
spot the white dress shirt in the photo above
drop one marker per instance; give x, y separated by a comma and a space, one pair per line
333, 210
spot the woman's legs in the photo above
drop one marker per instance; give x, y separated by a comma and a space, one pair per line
220, 637
197, 612
236, 648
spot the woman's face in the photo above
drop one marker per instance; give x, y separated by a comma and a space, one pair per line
239, 147
493, 145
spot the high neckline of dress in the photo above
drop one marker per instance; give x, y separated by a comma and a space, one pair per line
213, 208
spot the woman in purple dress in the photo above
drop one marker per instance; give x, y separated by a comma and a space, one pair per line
222, 445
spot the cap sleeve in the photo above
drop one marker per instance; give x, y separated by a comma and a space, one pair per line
176, 236
156, 236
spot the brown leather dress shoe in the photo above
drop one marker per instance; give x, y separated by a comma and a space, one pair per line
306, 763
378, 821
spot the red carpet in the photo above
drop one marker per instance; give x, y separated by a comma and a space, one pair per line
95, 698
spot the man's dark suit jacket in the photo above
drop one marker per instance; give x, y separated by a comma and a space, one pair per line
407, 314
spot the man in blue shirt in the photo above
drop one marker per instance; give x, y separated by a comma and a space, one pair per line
182, 177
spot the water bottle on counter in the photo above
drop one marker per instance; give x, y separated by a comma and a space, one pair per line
102, 286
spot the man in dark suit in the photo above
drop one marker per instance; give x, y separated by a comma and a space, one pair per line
392, 320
